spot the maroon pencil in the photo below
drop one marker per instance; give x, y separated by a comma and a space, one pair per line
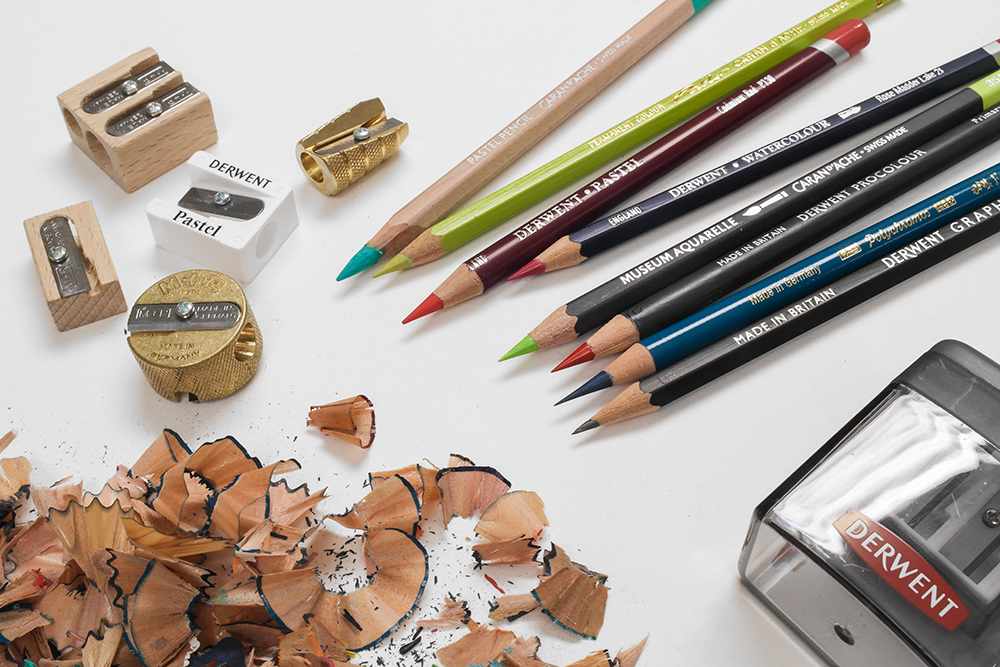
494, 264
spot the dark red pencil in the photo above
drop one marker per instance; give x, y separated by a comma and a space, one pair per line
500, 260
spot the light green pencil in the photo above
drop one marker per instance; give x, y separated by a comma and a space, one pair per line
510, 200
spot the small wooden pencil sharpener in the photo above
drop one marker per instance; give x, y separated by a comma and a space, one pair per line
193, 333
138, 119
232, 219
349, 146
75, 269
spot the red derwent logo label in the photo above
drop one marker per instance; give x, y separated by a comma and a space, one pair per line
902, 568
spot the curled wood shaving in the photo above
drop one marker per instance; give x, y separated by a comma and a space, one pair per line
571, 595
352, 420
454, 614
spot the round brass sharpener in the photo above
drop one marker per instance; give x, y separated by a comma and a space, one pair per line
194, 333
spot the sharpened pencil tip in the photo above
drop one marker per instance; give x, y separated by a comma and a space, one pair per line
526, 346
397, 263
431, 304
363, 259
532, 268
602, 380
586, 426
580, 355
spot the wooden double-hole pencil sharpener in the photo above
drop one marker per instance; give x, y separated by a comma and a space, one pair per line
138, 119
78, 279
232, 218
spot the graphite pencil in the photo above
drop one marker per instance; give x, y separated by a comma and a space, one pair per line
736, 233
781, 326
717, 279
492, 265
623, 225
779, 289
513, 198
484, 163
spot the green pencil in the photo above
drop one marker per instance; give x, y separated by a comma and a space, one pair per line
510, 200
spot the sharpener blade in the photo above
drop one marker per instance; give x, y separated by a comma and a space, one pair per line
64, 257
237, 206
142, 116
207, 316
109, 98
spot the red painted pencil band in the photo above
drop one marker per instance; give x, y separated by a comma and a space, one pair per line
500, 260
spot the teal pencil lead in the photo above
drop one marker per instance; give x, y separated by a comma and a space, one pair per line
363, 259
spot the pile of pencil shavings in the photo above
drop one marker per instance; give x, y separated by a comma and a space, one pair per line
200, 558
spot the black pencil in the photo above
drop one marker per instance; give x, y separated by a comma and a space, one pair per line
625, 224
599, 305
781, 326
717, 279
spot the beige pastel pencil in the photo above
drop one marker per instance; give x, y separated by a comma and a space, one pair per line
488, 160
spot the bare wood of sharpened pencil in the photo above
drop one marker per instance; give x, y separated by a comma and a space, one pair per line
632, 402
615, 336
462, 284
634, 364
470, 175
561, 255
555, 329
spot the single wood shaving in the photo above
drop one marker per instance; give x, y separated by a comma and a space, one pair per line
454, 614
571, 595
628, 657
511, 516
511, 607
351, 420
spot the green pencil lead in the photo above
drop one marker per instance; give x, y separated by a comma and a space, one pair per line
397, 263
526, 346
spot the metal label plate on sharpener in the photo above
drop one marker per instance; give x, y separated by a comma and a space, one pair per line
127, 88
151, 111
206, 316
64, 257
228, 206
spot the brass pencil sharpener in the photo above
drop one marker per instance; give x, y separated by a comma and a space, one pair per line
349, 146
194, 333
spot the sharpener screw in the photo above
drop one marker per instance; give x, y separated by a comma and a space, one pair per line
991, 518
362, 133
130, 87
154, 109
222, 198
185, 309
58, 254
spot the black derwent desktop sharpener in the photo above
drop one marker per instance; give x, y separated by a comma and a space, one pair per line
883, 549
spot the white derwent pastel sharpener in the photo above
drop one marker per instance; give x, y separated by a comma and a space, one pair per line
232, 219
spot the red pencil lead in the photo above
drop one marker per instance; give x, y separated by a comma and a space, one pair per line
532, 268
431, 304
580, 355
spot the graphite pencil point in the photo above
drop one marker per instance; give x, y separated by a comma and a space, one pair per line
602, 380
586, 426
363, 259
431, 304
527, 345
397, 263
532, 268
580, 355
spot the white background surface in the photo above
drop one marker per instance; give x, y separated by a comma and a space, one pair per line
661, 503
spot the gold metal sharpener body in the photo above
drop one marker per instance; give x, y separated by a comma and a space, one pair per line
349, 146
206, 365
